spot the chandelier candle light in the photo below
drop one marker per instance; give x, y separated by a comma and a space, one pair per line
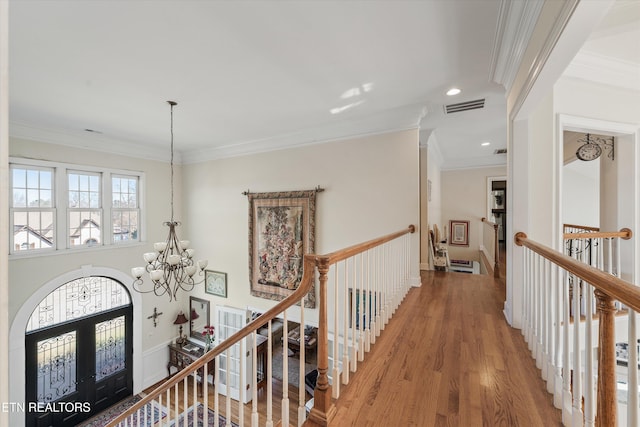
171, 267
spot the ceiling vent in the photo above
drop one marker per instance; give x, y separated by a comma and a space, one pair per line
500, 151
464, 106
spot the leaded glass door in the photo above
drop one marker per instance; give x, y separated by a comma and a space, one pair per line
81, 366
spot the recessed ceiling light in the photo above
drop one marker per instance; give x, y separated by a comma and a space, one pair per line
453, 91
484, 144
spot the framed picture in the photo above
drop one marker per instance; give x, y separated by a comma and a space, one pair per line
215, 283
459, 233
281, 232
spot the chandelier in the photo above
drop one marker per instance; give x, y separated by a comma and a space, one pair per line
171, 266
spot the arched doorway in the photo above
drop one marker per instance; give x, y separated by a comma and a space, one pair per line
79, 347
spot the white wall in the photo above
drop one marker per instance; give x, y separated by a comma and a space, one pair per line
581, 193
464, 197
371, 189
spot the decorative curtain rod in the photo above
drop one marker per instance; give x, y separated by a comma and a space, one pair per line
318, 189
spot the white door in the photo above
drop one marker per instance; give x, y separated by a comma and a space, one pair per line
234, 364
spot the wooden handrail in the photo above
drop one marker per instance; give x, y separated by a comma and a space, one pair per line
606, 289
305, 285
615, 287
624, 234
583, 227
323, 409
345, 253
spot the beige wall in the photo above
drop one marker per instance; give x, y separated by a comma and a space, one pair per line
30, 273
464, 197
371, 188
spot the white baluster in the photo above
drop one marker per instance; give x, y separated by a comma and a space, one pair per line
336, 373
345, 317
354, 332
242, 387
254, 401
285, 366
216, 394
577, 363
632, 371
589, 371
566, 361
269, 377
360, 300
367, 304
302, 410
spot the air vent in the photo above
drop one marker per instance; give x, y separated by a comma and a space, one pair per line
464, 106
500, 151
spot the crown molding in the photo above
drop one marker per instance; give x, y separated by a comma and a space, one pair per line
605, 70
516, 22
90, 141
475, 162
398, 119
395, 120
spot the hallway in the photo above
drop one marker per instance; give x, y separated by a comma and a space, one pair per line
448, 358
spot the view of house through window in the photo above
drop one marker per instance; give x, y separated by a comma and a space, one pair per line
32, 208
86, 199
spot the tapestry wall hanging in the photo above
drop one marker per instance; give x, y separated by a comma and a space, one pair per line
281, 232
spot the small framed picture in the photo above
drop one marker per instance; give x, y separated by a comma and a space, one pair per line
215, 283
459, 233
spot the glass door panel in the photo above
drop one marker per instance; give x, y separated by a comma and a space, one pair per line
57, 367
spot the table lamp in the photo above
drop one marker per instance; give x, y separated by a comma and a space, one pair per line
181, 319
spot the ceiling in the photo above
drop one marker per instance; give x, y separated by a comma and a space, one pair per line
252, 76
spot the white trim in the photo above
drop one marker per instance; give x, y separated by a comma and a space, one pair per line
580, 124
516, 23
17, 354
604, 70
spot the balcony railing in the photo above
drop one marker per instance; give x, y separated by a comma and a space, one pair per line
491, 245
578, 358
359, 289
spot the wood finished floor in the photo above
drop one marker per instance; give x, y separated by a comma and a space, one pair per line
448, 358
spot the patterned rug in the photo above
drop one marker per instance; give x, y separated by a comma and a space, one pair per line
110, 413
200, 419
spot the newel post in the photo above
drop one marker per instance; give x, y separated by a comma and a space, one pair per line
323, 408
606, 413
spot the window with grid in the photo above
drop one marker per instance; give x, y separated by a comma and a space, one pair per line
124, 208
33, 213
84, 208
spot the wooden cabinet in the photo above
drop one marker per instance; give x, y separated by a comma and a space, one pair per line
181, 357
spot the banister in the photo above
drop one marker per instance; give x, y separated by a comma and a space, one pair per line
624, 234
345, 253
496, 248
583, 227
613, 286
305, 285
606, 288
323, 409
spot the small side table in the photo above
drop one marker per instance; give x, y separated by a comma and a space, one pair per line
181, 357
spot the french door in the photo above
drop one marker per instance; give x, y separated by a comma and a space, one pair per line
78, 368
230, 320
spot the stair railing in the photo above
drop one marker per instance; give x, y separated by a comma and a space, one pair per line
491, 245
368, 283
598, 249
584, 385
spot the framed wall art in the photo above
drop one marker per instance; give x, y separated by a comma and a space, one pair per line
215, 283
459, 233
281, 232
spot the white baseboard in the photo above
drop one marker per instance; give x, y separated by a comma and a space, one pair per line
416, 282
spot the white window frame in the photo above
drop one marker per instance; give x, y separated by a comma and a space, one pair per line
61, 204
135, 209
26, 209
98, 210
